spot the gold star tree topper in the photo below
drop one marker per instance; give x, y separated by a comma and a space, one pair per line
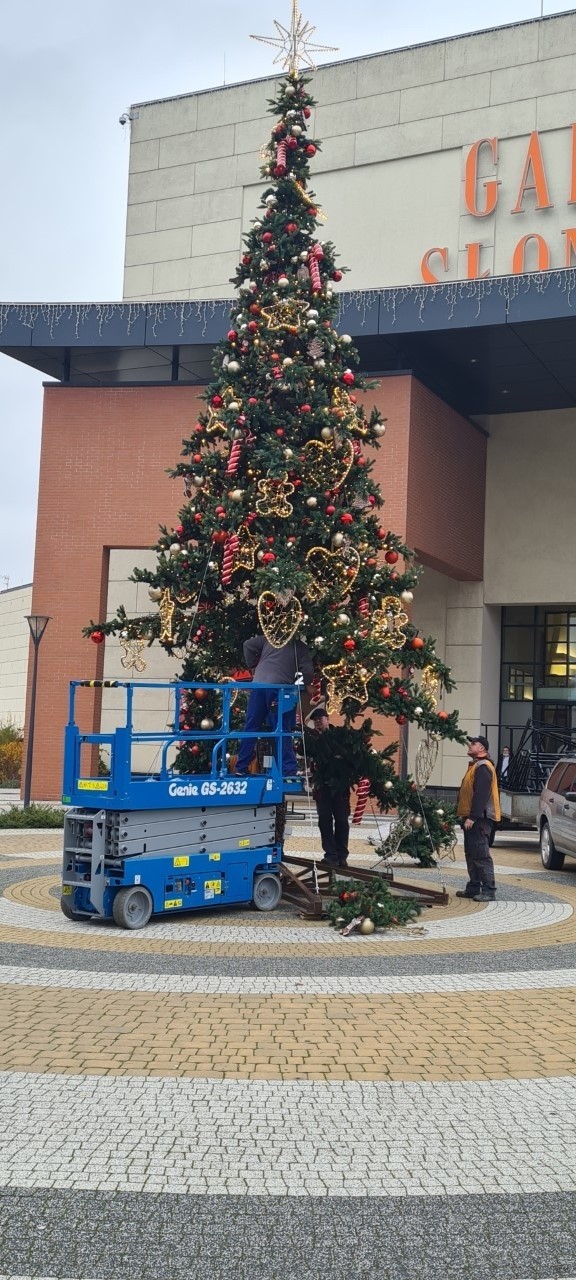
294, 43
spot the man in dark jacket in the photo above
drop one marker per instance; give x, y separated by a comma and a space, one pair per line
478, 808
273, 666
333, 807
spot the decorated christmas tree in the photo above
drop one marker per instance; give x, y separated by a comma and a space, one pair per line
281, 530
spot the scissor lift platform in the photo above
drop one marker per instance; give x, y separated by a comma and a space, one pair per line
164, 842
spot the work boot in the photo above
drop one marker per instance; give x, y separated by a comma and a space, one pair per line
485, 896
463, 893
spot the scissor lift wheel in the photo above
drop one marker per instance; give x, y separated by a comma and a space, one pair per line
67, 911
132, 907
267, 892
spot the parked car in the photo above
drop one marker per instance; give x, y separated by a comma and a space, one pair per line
557, 815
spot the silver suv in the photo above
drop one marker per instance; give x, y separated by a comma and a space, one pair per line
557, 815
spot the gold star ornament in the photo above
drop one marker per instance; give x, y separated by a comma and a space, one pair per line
293, 44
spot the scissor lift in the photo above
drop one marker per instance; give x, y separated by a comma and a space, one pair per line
162, 842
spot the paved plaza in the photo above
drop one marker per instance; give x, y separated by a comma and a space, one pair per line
244, 1096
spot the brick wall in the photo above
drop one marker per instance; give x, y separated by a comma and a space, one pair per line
103, 485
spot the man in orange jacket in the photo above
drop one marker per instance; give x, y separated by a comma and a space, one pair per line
478, 808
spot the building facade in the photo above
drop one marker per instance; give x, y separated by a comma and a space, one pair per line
15, 603
448, 178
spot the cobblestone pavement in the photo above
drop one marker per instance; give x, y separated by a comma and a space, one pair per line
234, 1096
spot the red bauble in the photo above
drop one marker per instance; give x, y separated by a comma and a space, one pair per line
336, 275
391, 557
347, 518
274, 356
252, 326
217, 402
348, 378
279, 170
349, 644
310, 149
220, 511
195, 749
179, 530
385, 692
306, 113
371, 499
268, 557
219, 536
291, 227
200, 694
252, 400
232, 335
97, 637
276, 373
270, 541
267, 236
198, 518
371, 562
255, 309
417, 643
305, 408
313, 212
197, 458
330, 511
280, 432
246, 260
380, 533
442, 715
292, 142
400, 719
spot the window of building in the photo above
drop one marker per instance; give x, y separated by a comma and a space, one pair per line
560, 650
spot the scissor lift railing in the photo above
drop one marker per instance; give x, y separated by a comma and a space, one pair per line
165, 787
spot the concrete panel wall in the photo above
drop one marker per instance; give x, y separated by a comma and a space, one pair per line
468, 639
396, 128
15, 603
531, 466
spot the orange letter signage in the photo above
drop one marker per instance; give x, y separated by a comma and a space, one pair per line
427, 274
518, 263
471, 180
533, 178
473, 271
572, 196
570, 234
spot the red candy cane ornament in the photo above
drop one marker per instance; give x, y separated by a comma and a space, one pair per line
229, 558
234, 458
314, 257
364, 607
361, 799
281, 159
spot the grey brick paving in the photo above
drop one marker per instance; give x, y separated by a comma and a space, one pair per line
118, 1236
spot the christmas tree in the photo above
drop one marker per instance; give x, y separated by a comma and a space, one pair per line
281, 530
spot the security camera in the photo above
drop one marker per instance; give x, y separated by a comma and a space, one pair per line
124, 118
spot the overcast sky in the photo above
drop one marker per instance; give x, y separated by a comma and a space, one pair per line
68, 70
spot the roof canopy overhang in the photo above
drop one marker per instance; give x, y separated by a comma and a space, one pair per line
490, 346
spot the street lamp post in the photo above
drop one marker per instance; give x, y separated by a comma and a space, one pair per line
37, 624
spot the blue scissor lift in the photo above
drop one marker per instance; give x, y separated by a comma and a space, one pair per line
142, 844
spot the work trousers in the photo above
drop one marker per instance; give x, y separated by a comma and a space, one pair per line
261, 712
478, 858
333, 815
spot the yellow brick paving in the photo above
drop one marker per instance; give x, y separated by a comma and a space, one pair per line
490, 1035
470, 1036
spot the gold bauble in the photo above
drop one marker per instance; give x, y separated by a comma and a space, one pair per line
367, 925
